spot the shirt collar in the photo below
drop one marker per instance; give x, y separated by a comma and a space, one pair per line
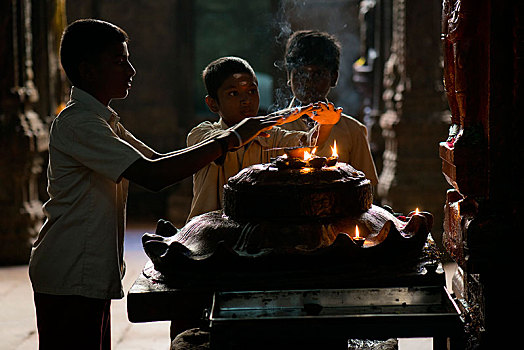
223, 124
296, 103
93, 104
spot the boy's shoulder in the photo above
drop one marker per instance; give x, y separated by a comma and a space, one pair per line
207, 124
204, 130
75, 114
349, 122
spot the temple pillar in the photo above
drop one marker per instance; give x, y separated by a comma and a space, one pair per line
483, 43
368, 71
25, 102
413, 117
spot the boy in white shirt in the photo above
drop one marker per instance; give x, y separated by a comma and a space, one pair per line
76, 263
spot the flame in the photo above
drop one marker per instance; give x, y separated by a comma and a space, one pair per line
416, 211
357, 233
334, 152
307, 155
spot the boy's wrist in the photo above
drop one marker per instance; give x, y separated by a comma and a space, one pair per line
229, 140
224, 144
236, 136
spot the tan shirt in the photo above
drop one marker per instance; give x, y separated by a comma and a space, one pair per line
208, 183
352, 144
79, 250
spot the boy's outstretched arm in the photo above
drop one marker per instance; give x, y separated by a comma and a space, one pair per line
156, 174
325, 114
326, 117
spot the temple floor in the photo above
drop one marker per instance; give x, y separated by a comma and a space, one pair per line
17, 316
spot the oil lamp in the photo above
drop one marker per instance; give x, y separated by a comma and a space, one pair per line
357, 239
334, 155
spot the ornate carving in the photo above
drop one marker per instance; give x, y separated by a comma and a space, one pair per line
466, 73
413, 108
23, 133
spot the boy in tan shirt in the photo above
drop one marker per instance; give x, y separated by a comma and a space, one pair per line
233, 94
312, 63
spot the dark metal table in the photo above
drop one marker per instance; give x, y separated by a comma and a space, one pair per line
325, 306
332, 316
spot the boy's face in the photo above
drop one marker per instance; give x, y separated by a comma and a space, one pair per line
311, 83
111, 74
237, 98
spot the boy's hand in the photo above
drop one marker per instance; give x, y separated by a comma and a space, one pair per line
321, 112
289, 115
326, 113
251, 127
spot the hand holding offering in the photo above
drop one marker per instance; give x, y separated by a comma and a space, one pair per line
326, 113
321, 112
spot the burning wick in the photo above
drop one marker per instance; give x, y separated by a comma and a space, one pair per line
313, 160
416, 212
334, 149
334, 155
308, 156
357, 239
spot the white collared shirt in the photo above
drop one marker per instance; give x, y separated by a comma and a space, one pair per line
79, 250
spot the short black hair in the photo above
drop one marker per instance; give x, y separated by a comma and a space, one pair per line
83, 40
220, 69
312, 47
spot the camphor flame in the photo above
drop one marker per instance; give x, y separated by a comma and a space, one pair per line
334, 152
308, 156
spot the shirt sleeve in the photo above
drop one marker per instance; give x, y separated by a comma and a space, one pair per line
93, 143
203, 131
282, 138
144, 149
361, 156
353, 146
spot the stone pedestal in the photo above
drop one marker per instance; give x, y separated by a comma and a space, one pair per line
413, 119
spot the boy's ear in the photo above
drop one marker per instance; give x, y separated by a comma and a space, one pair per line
85, 69
212, 104
334, 79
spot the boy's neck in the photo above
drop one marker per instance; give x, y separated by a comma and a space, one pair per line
228, 123
298, 102
103, 100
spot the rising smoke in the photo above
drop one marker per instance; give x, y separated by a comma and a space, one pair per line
336, 17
